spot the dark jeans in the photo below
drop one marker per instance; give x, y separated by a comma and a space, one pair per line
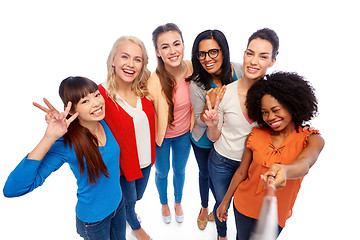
133, 191
245, 226
202, 158
221, 171
112, 227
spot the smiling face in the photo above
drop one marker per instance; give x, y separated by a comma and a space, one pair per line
275, 115
258, 58
128, 62
91, 108
211, 65
170, 48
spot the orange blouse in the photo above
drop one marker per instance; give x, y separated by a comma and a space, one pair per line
249, 194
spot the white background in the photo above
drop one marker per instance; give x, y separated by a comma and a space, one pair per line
43, 42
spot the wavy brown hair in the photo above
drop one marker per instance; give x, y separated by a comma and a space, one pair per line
80, 138
167, 81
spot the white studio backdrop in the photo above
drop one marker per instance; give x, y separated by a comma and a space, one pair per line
43, 42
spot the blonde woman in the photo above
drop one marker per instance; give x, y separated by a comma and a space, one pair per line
131, 118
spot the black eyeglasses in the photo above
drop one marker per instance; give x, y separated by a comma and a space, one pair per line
213, 53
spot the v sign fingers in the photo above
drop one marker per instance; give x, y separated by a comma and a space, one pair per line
50, 111
66, 113
210, 116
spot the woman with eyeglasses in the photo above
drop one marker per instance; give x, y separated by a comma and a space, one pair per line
212, 72
228, 124
170, 94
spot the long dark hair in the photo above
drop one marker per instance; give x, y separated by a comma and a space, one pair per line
166, 79
200, 75
84, 142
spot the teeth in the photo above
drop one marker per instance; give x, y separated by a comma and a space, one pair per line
275, 123
128, 71
97, 111
209, 65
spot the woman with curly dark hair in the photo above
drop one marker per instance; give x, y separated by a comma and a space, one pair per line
278, 148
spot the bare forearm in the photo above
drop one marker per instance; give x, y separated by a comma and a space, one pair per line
213, 133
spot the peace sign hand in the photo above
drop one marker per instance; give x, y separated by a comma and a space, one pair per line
210, 116
50, 111
58, 124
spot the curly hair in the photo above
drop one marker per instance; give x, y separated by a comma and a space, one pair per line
291, 90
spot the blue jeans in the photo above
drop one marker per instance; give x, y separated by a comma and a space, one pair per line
221, 171
202, 158
112, 227
133, 191
246, 225
180, 147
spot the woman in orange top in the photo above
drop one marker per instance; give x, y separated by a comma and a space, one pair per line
279, 148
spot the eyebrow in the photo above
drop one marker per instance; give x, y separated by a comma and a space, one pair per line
178, 40
248, 49
129, 55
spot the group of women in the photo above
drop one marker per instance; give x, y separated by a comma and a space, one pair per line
111, 134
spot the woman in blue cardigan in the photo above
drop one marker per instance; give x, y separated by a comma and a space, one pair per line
80, 137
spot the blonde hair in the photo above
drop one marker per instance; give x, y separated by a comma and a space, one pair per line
139, 84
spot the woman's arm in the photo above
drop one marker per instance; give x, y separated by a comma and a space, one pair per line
57, 127
239, 176
31, 172
301, 166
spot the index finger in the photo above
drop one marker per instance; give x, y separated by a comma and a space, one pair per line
208, 102
217, 103
67, 109
51, 107
41, 107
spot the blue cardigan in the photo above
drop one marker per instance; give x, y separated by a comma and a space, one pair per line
95, 202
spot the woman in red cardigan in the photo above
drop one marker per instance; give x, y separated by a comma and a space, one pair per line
131, 118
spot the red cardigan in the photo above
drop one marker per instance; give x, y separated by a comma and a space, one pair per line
122, 127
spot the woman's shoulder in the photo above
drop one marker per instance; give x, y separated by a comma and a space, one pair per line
232, 86
238, 68
153, 79
189, 67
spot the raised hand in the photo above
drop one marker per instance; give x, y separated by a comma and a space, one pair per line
50, 111
57, 127
213, 93
210, 115
58, 124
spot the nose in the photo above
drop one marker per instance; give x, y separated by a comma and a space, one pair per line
207, 56
130, 62
172, 50
271, 116
95, 102
254, 60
